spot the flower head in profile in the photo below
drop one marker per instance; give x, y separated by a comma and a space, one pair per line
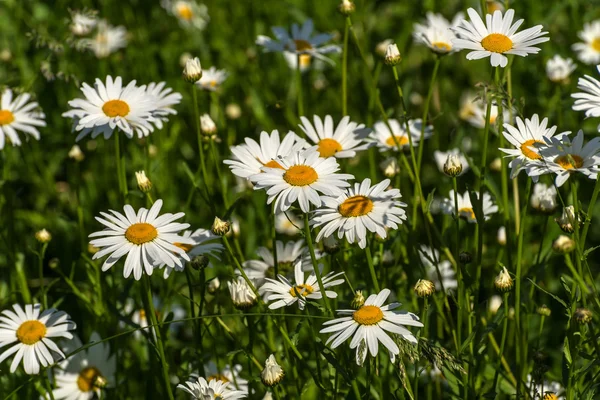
227, 374
436, 33
213, 389
147, 238
189, 13
543, 198
82, 22
106, 40
371, 324
18, 115
465, 207
497, 38
391, 135
242, 295
589, 99
343, 141
559, 69
163, 98
272, 374
30, 333
432, 262
473, 110
588, 52
212, 79
441, 157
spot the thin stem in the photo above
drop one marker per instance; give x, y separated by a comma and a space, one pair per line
41, 273
300, 95
48, 386
120, 170
590, 211
345, 69
313, 258
426, 111
460, 280
240, 269
503, 340
199, 138
372, 268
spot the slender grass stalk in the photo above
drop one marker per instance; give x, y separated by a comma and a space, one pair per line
274, 241
48, 385
311, 249
199, 138
347, 24
121, 175
590, 211
240, 269
299, 89
436, 67
502, 340
460, 280
41, 256
372, 268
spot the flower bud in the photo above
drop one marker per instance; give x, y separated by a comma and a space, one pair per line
424, 288
390, 167
192, 72
76, 154
496, 165
213, 285
54, 263
563, 244
503, 282
220, 227
346, 7
494, 304
233, 111
583, 315
273, 373
465, 257
543, 310
453, 166
392, 55
501, 236
43, 236
566, 221
207, 125
382, 46
199, 262
143, 182
242, 295
358, 300
331, 245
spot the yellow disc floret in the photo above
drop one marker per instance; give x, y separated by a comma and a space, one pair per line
497, 43
141, 232
355, 206
300, 175
368, 315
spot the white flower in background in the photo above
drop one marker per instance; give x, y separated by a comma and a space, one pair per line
559, 69
76, 154
465, 208
107, 39
18, 116
588, 52
543, 198
384, 137
140, 319
212, 79
306, 61
303, 41
441, 157
191, 15
241, 293
82, 23
86, 373
497, 37
494, 304
303, 289
430, 258
33, 331
436, 32
213, 389
272, 374
109, 106
359, 210
589, 100
249, 158
563, 158
303, 176
343, 141
545, 390
162, 98
207, 125
473, 110
528, 138
390, 167
381, 47
368, 326
287, 255
501, 236
288, 224
227, 374
145, 237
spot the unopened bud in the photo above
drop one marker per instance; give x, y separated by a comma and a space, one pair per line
192, 71
543, 310
583, 315
220, 227
233, 111
566, 221
346, 7
563, 244
390, 167
453, 166
501, 236
392, 55
76, 154
358, 300
273, 373
143, 182
43, 236
503, 282
424, 288
207, 125
199, 262
54, 263
213, 285
465, 257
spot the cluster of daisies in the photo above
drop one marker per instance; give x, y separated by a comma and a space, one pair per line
97, 35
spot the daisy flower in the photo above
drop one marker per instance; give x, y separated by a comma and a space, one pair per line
384, 137
303, 175
342, 142
358, 210
242, 295
440, 158
258, 270
430, 258
107, 39
140, 319
82, 23
190, 14
214, 389
436, 32
84, 374
545, 390
110, 106
527, 138
369, 325
288, 224
559, 69
32, 330
563, 157
473, 110
589, 100
212, 79
203, 244
302, 41
305, 61
18, 115
465, 208
146, 238
163, 98
227, 374
286, 294
588, 52
497, 37
249, 158
543, 198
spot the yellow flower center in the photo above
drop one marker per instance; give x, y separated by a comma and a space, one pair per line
305, 60
497, 43
550, 396
493, 6
303, 290
115, 108
184, 246
300, 175
6, 117
212, 83
273, 164
31, 332
302, 45
402, 140
466, 212
87, 379
526, 149
328, 147
218, 377
368, 315
141, 232
596, 44
355, 206
185, 11
569, 161
441, 47
142, 314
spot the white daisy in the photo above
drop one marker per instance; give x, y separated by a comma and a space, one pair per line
146, 238
440, 158
140, 319
288, 223
342, 142
358, 210
563, 158
465, 208
242, 295
83, 375
589, 51
497, 37
33, 331
303, 175
303, 41
430, 258
111, 106
589, 100
291, 58
285, 293
543, 198
369, 324
163, 98
473, 110
107, 39
18, 115
227, 374
191, 15
82, 23
528, 138
545, 390
214, 389
212, 79
384, 138
249, 158
436, 32
287, 255
203, 244
559, 69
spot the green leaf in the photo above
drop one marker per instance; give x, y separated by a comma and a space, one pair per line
588, 251
555, 297
567, 351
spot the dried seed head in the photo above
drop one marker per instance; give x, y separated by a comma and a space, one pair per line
220, 227
465, 257
544, 310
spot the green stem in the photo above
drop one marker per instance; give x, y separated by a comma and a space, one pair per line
199, 138
300, 95
590, 211
345, 69
426, 111
120, 170
460, 280
502, 341
372, 268
48, 386
240, 269
313, 258
41, 273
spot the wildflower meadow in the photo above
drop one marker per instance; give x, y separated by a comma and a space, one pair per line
299, 199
